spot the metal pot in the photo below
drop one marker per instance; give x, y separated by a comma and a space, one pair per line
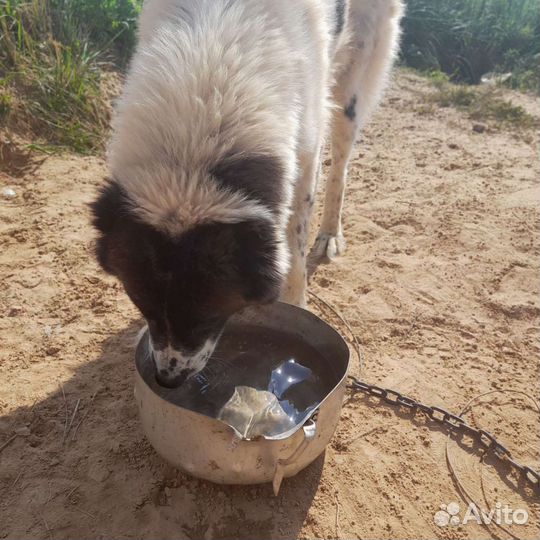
208, 448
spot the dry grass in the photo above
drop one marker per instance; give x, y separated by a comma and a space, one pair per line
481, 103
52, 65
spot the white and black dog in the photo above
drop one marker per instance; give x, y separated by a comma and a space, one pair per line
215, 153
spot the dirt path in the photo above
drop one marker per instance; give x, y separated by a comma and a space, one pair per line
439, 283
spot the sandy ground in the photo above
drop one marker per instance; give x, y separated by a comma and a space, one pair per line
439, 283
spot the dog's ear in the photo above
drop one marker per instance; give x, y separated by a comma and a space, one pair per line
256, 259
110, 204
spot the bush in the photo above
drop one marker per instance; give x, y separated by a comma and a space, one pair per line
468, 38
52, 56
109, 25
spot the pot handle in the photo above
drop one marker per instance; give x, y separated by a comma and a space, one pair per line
310, 430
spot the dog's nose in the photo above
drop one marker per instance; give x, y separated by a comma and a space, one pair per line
164, 378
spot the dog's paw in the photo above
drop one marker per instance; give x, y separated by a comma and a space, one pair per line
326, 248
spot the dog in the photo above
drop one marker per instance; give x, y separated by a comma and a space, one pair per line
215, 153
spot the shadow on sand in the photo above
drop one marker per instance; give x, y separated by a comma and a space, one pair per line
77, 466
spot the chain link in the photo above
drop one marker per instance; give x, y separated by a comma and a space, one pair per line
453, 423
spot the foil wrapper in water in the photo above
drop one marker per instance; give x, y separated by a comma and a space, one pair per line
253, 413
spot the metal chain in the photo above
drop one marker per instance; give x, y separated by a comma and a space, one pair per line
453, 423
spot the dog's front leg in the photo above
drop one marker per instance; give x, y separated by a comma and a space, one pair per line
294, 290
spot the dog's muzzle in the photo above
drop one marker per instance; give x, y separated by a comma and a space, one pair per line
164, 378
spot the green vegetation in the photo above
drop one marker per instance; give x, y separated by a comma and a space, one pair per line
5, 102
468, 38
53, 56
480, 103
58, 57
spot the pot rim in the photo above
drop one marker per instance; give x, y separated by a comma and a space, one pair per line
281, 436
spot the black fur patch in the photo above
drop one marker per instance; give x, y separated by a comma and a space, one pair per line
105, 208
260, 177
186, 287
341, 5
111, 205
350, 110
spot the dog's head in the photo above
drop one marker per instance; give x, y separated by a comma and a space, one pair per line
187, 284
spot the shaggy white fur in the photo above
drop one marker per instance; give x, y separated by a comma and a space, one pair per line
203, 86
218, 80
